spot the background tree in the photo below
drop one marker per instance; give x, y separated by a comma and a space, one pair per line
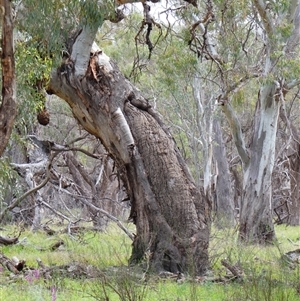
242, 32
8, 108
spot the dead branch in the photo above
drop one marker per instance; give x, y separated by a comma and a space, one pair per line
8, 241
57, 245
18, 200
8, 264
234, 270
84, 199
111, 217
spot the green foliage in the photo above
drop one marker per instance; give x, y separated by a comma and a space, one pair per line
33, 71
31, 64
7, 178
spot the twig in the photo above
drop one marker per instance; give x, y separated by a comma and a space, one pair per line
234, 270
294, 244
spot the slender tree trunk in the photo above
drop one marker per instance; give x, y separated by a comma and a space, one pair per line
8, 108
204, 116
224, 197
293, 170
170, 213
256, 210
294, 205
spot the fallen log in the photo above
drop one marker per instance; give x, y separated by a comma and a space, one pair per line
233, 269
57, 245
8, 264
8, 241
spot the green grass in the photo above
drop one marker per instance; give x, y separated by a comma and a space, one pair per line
266, 276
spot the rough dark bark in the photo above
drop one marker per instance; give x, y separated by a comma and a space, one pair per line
170, 213
8, 109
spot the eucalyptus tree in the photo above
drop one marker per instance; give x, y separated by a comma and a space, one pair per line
253, 42
170, 212
8, 104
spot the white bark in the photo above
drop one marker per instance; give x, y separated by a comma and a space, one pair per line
122, 128
204, 115
256, 207
82, 48
102, 59
266, 134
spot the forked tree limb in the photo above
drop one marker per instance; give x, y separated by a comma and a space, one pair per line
236, 131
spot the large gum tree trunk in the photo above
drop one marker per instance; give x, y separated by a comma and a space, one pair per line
256, 224
171, 215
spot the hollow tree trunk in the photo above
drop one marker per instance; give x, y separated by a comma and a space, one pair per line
170, 213
256, 223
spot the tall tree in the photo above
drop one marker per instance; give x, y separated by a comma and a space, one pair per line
8, 108
256, 209
170, 213
247, 40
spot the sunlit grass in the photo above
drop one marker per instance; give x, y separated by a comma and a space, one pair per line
266, 277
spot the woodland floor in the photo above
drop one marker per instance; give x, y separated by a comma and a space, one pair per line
88, 265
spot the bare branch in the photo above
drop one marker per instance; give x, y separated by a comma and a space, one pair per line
33, 190
209, 45
239, 84
111, 217
287, 87
49, 145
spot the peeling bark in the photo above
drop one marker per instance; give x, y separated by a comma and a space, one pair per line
256, 223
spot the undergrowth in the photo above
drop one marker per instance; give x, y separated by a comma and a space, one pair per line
265, 273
